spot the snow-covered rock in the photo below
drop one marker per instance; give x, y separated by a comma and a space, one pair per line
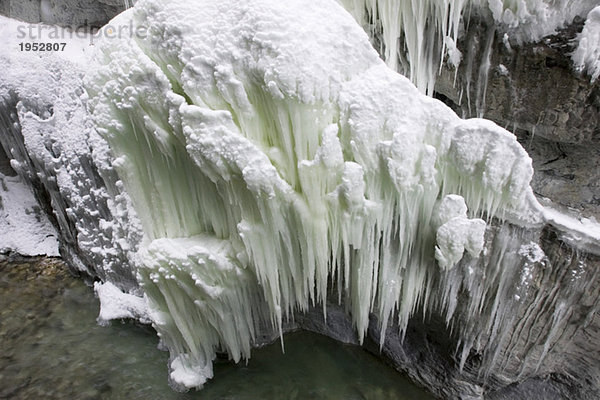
24, 227
428, 28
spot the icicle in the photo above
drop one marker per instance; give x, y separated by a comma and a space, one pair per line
422, 28
484, 70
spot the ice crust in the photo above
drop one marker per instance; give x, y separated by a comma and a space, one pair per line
114, 304
271, 161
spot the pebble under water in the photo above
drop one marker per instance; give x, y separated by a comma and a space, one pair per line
52, 348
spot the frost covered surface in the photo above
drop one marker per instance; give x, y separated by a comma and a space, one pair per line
456, 233
49, 137
426, 31
195, 286
530, 20
24, 227
114, 304
583, 232
269, 161
586, 56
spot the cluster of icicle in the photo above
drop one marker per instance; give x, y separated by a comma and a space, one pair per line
416, 36
273, 159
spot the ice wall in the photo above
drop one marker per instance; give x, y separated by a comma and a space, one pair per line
272, 159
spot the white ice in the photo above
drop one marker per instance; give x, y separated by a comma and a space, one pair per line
269, 157
423, 30
586, 56
114, 304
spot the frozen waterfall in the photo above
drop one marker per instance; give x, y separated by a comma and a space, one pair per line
269, 163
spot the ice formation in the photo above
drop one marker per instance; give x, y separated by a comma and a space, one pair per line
416, 35
587, 54
48, 135
269, 163
456, 233
114, 304
248, 161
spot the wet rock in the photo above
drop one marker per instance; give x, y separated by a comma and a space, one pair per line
533, 90
69, 13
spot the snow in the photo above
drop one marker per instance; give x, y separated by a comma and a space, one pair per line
186, 374
49, 137
502, 70
24, 227
533, 252
456, 232
454, 55
580, 231
586, 56
114, 304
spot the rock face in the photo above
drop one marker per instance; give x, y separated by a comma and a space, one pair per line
75, 198
67, 13
532, 89
429, 354
5, 168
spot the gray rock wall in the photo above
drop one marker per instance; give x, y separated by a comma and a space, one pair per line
67, 168
532, 90
71, 13
548, 350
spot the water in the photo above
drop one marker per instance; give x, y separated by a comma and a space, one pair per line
52, 348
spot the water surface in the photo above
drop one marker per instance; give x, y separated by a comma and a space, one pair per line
52, 348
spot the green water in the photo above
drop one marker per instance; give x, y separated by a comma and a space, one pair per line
52, 348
